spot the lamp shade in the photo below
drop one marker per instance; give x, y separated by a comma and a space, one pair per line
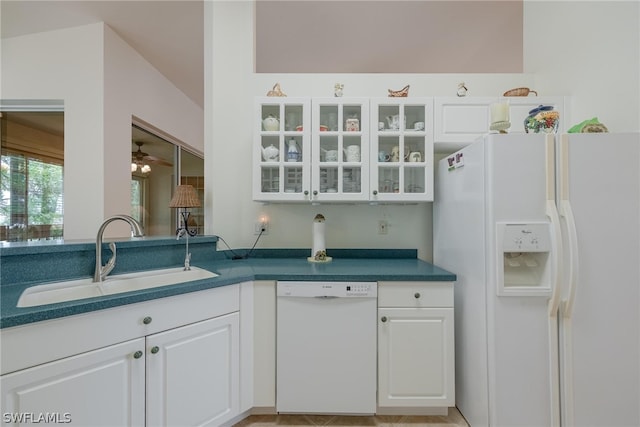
185, 197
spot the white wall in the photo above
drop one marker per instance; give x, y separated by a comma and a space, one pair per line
231, 85
103, 83
589, 50
67, 65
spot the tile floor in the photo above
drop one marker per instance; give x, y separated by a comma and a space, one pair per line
453, 419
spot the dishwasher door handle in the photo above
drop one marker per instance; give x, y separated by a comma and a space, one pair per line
326, 296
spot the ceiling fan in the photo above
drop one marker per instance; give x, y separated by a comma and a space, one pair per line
140, 160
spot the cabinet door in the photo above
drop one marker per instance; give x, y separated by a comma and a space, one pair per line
192, 374
401, 149
102, 387
340, 144
282, 149
415, 357
460, 121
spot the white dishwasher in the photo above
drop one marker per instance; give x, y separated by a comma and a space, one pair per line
326, 347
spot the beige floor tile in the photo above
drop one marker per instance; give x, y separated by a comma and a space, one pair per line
353, 421
293, 420
388, 420
320, 420
453, 419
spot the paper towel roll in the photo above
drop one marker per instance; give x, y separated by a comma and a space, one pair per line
318, 235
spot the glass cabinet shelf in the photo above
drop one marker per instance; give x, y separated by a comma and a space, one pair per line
401, 149
343, 149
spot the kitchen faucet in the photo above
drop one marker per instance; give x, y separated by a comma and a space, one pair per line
102, 272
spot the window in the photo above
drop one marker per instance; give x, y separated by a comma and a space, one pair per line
138, 201
32, 167
160, 162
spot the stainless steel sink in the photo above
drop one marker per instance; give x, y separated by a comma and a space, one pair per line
55, 292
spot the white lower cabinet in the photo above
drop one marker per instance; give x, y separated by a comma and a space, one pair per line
192, 374
102, 387
415, 345
181, 369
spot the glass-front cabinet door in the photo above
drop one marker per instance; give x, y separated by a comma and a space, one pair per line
340, 144
282, 149
401, 159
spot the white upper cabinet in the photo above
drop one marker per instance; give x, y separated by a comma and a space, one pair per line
337, 152
282, 154
401, 149
340, 147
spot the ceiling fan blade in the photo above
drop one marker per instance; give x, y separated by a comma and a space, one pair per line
157, 160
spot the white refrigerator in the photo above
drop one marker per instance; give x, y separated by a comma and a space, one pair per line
543, 233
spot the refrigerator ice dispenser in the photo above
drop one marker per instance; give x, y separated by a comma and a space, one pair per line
523, 259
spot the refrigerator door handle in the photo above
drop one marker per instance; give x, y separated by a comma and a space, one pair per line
572, 266
556, 233
556, 250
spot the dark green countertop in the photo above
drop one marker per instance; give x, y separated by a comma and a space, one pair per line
231, 272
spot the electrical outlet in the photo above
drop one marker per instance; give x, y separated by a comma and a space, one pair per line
383, 227
262, 226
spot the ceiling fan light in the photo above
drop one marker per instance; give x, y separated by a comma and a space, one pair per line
134, 167
146, 169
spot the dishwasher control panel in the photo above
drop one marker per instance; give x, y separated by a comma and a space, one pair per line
327, 289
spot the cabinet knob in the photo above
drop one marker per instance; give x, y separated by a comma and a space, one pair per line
383, 319
315, 192
417, 295
138, 354
306, 192
147, 320
155, 349
375, 192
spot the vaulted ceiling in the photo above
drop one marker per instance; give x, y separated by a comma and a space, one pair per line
168, 34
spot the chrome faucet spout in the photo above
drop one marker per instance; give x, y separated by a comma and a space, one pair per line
136, 230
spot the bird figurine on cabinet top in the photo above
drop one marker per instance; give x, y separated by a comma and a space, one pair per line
276, 91
462, 90
402, 93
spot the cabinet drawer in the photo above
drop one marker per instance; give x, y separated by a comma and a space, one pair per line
415, 294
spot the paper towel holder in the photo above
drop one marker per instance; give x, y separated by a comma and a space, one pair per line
319, 248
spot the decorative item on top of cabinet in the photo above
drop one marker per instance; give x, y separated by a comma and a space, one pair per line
338, 90
402, 93
520, 91
401, 164
542, 119
500, 116
462, 89
276, 91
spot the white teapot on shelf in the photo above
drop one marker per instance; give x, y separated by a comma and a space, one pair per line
270, 153
271, 123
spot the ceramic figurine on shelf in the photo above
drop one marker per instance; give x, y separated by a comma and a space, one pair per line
402, 93
462, 90
276, 91
337, 90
